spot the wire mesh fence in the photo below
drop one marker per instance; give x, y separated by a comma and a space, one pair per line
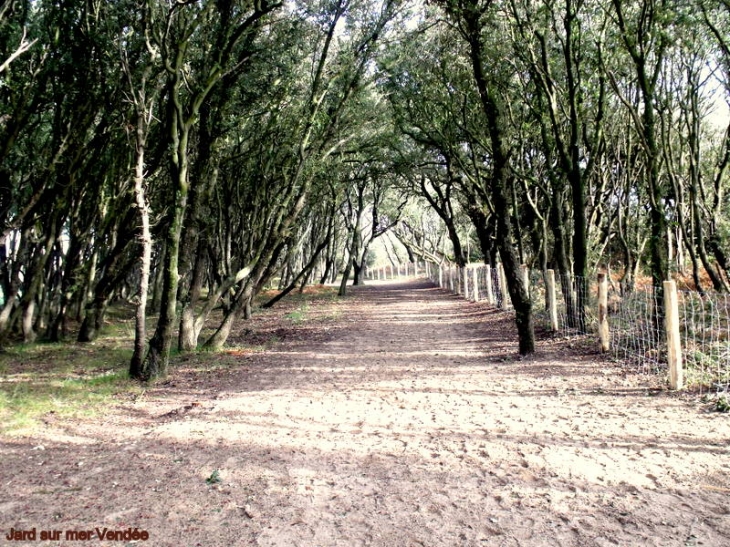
705, 333
636, 329
635, 318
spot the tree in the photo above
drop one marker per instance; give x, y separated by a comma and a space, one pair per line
233, 34
645, 34
471, 18
564, 113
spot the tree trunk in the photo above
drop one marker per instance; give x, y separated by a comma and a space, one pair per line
180, 123
115, 266
645, 49
494, 115
158, 282
342, 291
158, 357
305, 271
356, 273
140, 329
189, 324
11, 297
35, 277
242, 302
57, 327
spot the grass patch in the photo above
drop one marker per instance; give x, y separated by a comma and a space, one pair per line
215, 477
70, 380
299, 315
42, 380
722, 404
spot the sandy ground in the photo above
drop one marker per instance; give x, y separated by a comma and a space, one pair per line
400, 416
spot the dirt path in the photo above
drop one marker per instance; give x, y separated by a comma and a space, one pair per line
399, 417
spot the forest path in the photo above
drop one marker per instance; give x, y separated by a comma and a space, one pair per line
399, 416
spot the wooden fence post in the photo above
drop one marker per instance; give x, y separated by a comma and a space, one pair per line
603, 332
466, 282
441, 276
674, 343
475, 278
490, 292
451, 278
552, 302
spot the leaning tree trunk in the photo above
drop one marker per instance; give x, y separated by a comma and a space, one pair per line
115, 267
302, 274
352, 259
57, 329
494, 114
35, 276
14, 285
241, 303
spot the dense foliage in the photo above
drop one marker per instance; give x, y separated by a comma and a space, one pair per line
183, 155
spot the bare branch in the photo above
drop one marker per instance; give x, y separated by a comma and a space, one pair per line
24, 46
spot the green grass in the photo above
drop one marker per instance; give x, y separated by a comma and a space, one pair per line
215, 477
722, 404
707, 366
299, 315
42, 380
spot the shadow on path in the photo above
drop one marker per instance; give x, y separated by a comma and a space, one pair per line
400, 415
